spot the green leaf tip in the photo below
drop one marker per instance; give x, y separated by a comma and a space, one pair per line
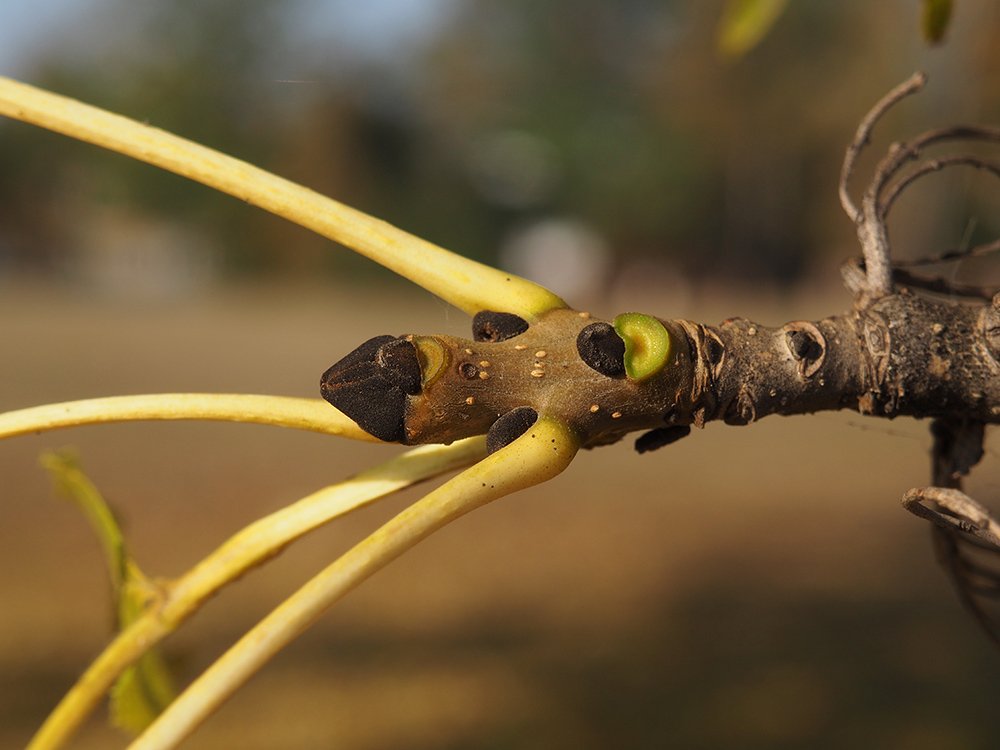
744, 23
146, 688
935, 15
647, 344
70, 480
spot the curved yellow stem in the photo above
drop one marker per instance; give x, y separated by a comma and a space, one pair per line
309, 414
468, 285
246, 549
540, 454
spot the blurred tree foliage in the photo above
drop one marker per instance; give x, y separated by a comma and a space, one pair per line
622, 115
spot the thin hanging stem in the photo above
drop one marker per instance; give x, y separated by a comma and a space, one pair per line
541, 453
248, 548
309, 414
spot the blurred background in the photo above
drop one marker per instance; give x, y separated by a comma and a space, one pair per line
755, 587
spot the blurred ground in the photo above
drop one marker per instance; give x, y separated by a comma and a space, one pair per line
745, 588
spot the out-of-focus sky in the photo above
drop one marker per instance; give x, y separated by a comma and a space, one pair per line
24, 25
610, 139
378, 29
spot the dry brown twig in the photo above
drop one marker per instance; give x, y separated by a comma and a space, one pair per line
882, 193
871, 230
967, 537
976, 251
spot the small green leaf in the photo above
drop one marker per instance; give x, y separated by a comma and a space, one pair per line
745, 22
141, 693
143, 690
935, 17
70, 480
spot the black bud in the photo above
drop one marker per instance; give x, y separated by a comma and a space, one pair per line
660, 437
497, 326
371, 384
399, 363
600, 346
509, 428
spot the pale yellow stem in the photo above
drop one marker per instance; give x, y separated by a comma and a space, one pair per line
93, 685
253, 545
468, 285
264, 537
281, 411
538, 455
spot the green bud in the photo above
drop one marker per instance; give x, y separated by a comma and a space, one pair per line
647, 344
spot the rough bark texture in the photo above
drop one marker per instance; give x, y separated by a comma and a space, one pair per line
903, 355
894, 353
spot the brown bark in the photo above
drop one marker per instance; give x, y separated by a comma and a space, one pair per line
902, 355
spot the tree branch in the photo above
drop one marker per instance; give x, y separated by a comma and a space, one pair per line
934, 165
962, 527
941, 286
977, 251
862, 138
875, 204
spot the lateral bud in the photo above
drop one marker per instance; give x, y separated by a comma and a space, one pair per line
497, 326
602, 349
509, 428
661, 436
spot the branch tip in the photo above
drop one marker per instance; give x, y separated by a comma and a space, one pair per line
862, 137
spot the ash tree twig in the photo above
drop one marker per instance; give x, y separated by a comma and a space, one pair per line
900, 154
973, 583
862, 137
962, 528
539, 380
881, 193
953, 510
941, 286
935, 165
976, 251
871, 230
